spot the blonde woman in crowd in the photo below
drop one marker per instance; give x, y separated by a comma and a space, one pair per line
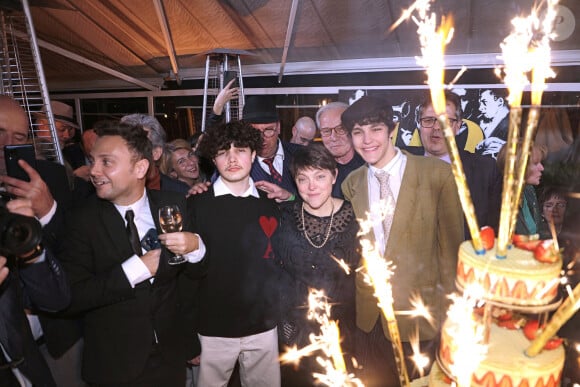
180, 162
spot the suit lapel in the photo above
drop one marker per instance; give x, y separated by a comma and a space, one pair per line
360, 197
114, 225
154, 206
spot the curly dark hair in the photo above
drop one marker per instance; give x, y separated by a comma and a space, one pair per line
368, 110
314, 155
221, 137
134, 135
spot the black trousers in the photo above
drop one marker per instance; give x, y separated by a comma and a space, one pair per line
157, 373
375, 356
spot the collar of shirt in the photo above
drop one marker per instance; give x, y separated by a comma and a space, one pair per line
220, 188
137, 207
278, 160
143, 217
445, 157
395, 168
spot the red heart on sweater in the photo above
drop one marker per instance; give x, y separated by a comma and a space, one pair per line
269, 225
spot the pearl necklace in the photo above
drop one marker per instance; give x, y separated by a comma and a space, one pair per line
327, 231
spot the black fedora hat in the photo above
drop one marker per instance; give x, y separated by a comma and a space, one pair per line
260, 109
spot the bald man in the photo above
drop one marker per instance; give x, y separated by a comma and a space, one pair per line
47, 196
303, 131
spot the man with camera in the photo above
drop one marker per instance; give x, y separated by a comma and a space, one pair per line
31, 279
48, 195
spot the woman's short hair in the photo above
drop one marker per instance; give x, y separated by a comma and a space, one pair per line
314, 155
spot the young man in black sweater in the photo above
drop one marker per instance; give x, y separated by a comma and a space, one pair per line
238, 296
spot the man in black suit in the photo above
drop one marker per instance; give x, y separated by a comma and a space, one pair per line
34, 281
127, 290
272, 164
483, 177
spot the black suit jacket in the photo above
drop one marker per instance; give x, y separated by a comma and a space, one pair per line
258, 173
169, 184
60, 332
38, 286
485, 185
120, 323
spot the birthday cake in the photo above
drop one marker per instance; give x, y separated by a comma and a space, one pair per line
505, 363
519, 279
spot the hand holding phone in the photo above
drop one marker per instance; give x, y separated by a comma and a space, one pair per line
13, 153
228, 76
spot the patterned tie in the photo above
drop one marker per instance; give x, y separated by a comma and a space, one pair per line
273, 172
389, 198
132, 233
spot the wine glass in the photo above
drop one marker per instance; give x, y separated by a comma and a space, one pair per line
170, 220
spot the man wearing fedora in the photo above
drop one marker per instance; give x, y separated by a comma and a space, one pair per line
65, 127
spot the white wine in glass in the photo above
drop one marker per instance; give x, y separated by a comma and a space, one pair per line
170, 220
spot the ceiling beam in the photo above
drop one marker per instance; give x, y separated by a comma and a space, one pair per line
160, 10
289, 30
81, 59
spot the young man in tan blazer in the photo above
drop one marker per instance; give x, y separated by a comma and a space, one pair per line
422, 242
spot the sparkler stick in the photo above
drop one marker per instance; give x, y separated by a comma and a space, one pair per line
433, 47
563, 314
378, 274
328, 341
514, 51
519, 59
507, 207
462, 188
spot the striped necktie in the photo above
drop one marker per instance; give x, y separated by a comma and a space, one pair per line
389, 198
273, 172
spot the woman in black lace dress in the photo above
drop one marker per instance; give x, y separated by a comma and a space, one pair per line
316, 232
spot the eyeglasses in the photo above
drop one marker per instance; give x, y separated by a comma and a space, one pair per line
559, 205
327, 132
429, 122
268, 132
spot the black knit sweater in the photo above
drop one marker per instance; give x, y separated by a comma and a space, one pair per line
238, 296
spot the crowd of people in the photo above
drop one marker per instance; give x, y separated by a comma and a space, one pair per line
98, 302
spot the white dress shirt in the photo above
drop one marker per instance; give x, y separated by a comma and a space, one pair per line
134, 268
396, 169
278, 160
220, 188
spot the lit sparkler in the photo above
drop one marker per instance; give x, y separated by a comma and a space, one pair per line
343, 265
467, 332
377, 273
523, 51
433, 39
420, 360
419, 309
327, 341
